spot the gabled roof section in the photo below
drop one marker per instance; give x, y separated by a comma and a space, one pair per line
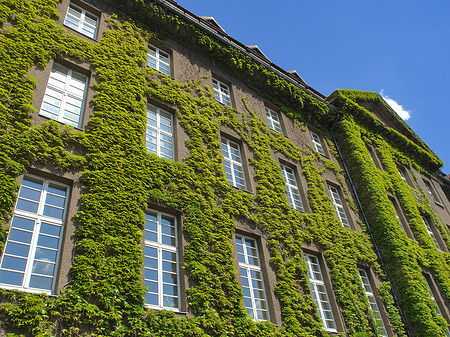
294, 74
255, 49
213, 23
371, 110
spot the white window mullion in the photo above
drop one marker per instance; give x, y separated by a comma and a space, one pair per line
339, 206
156, 239
380, 328
81, 23
315, 277
247, 266
26, 228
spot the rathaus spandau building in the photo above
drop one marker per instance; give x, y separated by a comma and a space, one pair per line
160, 178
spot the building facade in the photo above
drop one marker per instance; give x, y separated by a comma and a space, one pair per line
159, 178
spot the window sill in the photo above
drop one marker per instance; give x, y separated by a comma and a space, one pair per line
439, 204
61, 123
26, 290
77, 33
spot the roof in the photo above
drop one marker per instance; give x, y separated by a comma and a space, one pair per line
255, 49
213, 23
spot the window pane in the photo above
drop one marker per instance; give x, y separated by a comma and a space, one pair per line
10, 277
20, 236
41, 282
151, 299
14, 263
43, 268
28, 206
23, 223
17, 249
47, 255
48, 241
50, 229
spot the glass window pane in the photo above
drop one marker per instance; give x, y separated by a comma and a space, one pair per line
48, 241
23, 223
10, 277
151, 274
41, 282
46, 255
17, 249
170, 278
151, 299
31, 194
150, 251
43, 268
50, 229
28, 206
151, 263
20, 235
14, 263
170, 302
152, 286
53, 212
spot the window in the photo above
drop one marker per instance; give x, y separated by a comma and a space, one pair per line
373, 156
292, 190
32, 248
222, 92
379, 324
428, 279
64, 97
251, 277
274, 120
339, 206
158, 60
159, 132
319, 292
233, 164
430, 191
161, 261
317, 143
402, 173
82, 21
430, 232
396, 213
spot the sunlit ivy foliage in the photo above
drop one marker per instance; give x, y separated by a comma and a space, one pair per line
119, 178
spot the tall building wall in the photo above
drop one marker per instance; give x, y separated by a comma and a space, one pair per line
161, 179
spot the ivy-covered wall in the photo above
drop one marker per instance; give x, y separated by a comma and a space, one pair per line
120, 179
406, 259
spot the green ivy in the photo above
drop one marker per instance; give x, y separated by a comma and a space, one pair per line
120, 179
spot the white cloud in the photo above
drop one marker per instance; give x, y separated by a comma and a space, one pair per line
398, 108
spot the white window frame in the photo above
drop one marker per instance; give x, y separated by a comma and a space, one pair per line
394, 204
81, 21
320, 292
433, 298
430, 191
235, 166
431, 233
401, 171
317, 143
274, 120
336, 199
292, 189
365, 280
248, 270
161, 136
66, 95
39, 218
222, 92
160, 64
160, 248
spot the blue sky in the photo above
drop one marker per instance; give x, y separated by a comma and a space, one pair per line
397, 47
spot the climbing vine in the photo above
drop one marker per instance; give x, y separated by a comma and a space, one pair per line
120, 180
